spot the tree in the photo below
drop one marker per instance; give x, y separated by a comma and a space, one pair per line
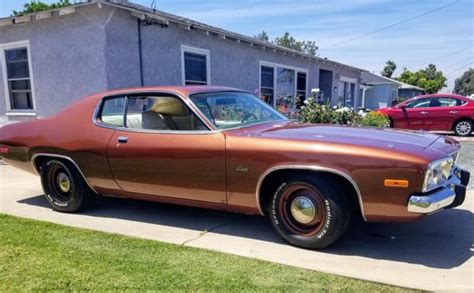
389, 68
262, 36
36, 6
308, 47
464, 85
429, 78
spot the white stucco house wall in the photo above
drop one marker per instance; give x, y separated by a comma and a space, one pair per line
52, 58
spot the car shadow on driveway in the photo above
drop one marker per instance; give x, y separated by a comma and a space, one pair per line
443, 240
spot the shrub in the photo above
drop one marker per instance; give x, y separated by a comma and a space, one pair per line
374, 119
313, 112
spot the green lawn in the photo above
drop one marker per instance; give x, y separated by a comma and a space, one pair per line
42, 256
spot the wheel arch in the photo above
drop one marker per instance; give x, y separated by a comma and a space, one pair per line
268, 178
461, 119
38, 158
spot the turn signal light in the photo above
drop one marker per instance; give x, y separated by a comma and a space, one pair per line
396, 183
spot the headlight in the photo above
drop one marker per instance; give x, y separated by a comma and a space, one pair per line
438, 173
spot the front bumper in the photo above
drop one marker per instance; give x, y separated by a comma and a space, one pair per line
450, 195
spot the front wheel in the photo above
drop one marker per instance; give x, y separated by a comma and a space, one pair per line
463, 128
309, 212
64, 188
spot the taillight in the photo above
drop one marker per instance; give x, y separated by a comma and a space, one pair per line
3, 150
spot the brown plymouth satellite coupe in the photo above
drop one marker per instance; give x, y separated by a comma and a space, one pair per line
223, 148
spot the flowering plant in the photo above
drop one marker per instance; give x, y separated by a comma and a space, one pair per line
313, 112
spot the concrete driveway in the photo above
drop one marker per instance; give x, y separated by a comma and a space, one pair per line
435, 253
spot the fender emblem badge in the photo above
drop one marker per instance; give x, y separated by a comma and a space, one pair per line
242, 169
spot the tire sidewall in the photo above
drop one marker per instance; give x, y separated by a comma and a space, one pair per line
325, 236
76, 199
455, 128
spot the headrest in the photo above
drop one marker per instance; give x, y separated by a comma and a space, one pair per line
170, 106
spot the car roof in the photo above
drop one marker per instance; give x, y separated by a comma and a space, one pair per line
184, 91
440, 95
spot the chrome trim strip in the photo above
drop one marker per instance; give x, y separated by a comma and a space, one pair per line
313, 168
33, 158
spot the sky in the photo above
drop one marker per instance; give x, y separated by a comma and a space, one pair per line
444, 37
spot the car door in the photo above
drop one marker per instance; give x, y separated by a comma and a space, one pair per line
444, 112
163, 149
416, 114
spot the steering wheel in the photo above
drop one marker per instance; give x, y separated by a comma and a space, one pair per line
247, 116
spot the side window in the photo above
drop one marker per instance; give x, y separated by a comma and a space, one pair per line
112, 111
421, 103
444, 102
460, 102
160, 113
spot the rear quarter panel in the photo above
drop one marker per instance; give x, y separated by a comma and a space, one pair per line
70, 133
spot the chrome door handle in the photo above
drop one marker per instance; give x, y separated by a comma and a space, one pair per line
424, 113
453, 112
122, 139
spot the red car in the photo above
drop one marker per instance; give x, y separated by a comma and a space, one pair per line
441, 112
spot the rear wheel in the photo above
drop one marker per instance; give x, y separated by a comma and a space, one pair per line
64, 187
309, 212
463, 128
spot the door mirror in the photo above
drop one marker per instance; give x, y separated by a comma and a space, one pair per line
403, 108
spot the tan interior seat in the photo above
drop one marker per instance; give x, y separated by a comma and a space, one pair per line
167, 114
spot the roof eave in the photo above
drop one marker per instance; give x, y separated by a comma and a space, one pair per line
142, 12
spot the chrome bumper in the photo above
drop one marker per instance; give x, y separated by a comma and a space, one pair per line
449, 196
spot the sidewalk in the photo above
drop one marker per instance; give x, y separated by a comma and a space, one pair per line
432, 254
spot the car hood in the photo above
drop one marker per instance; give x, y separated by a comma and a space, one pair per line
398, 140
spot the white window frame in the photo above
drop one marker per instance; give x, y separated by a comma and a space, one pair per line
17, 45
275, 66
198, 51
355, 81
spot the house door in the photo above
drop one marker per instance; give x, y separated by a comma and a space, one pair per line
325, 85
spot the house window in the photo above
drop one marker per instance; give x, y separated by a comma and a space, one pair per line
267, 84
195, 65
346, 92
300, 89
283, 87
17, 77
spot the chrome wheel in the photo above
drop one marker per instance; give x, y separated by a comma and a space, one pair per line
463, 128
63, 182
303, 210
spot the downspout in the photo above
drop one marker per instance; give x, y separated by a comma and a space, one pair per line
140, 53
363, 96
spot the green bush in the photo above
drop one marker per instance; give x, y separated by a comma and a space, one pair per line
374, 119
313, 112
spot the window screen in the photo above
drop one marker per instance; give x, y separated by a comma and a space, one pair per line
195, 69
18, 78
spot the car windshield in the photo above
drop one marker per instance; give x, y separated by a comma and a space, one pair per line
234, 109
